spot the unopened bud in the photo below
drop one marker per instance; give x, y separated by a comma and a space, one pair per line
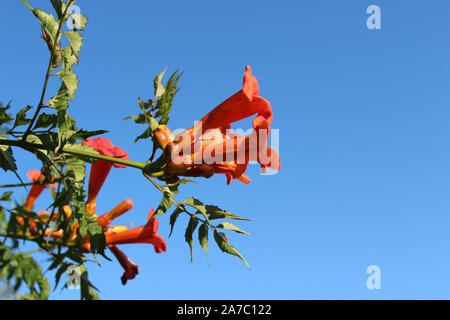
163, 136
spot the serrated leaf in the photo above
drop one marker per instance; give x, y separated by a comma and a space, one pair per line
165, 203
222, 241
75, 39
86, 287
47, 20
146, 134
159, 88
203, 236
140, 119
60, 102
192, 225
173, 218
70, 81
215, 212
4, 116
70, 58
46, 120
21, 117
197, 204
83, 135
76, 171
165, 101
79, 21
230, 226
7, 161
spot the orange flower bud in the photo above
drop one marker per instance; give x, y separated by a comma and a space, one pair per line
163, 136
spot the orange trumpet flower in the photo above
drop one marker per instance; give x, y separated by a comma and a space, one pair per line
36, 189
144, 234
208, 148
100, 169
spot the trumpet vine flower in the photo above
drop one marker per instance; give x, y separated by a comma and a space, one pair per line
208, 147
100, 169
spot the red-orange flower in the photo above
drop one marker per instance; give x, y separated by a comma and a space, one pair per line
208, 148
36, 189
144, 234
131, 269
120, 209
100, 169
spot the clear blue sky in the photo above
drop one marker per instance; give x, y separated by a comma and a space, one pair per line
364, 139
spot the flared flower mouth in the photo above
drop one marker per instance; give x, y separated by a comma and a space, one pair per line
209, 147
105, 147
144, 234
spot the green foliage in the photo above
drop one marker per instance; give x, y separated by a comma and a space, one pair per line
54, 139
222, 241
204, 214
165, 204
192, 225
160, 107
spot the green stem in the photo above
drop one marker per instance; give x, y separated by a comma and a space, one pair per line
128, 163
34, 239
34, 146
19, 185
47, 74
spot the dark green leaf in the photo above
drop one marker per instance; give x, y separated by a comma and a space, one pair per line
173, 219
21, 119
192, 225
230, 226
203, 236
222, 241
46, 120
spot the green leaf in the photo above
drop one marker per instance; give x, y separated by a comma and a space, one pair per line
141, 119
6, 196
60, 102
222, 241
48, 21
165, 204
86, 287
76, 169
46, 120
173, 218
203, 236
230, 226
159, 88
70, 81
5, 117
21, 117
192, 225
215, 212
70, 58
79, 21
197, 204
75, 39
83, 135
7, 161
58, 6
165, 101
146, 134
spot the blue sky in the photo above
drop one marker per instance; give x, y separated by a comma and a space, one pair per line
363, 119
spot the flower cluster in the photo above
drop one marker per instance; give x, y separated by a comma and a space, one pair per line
209, 147
115, 235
